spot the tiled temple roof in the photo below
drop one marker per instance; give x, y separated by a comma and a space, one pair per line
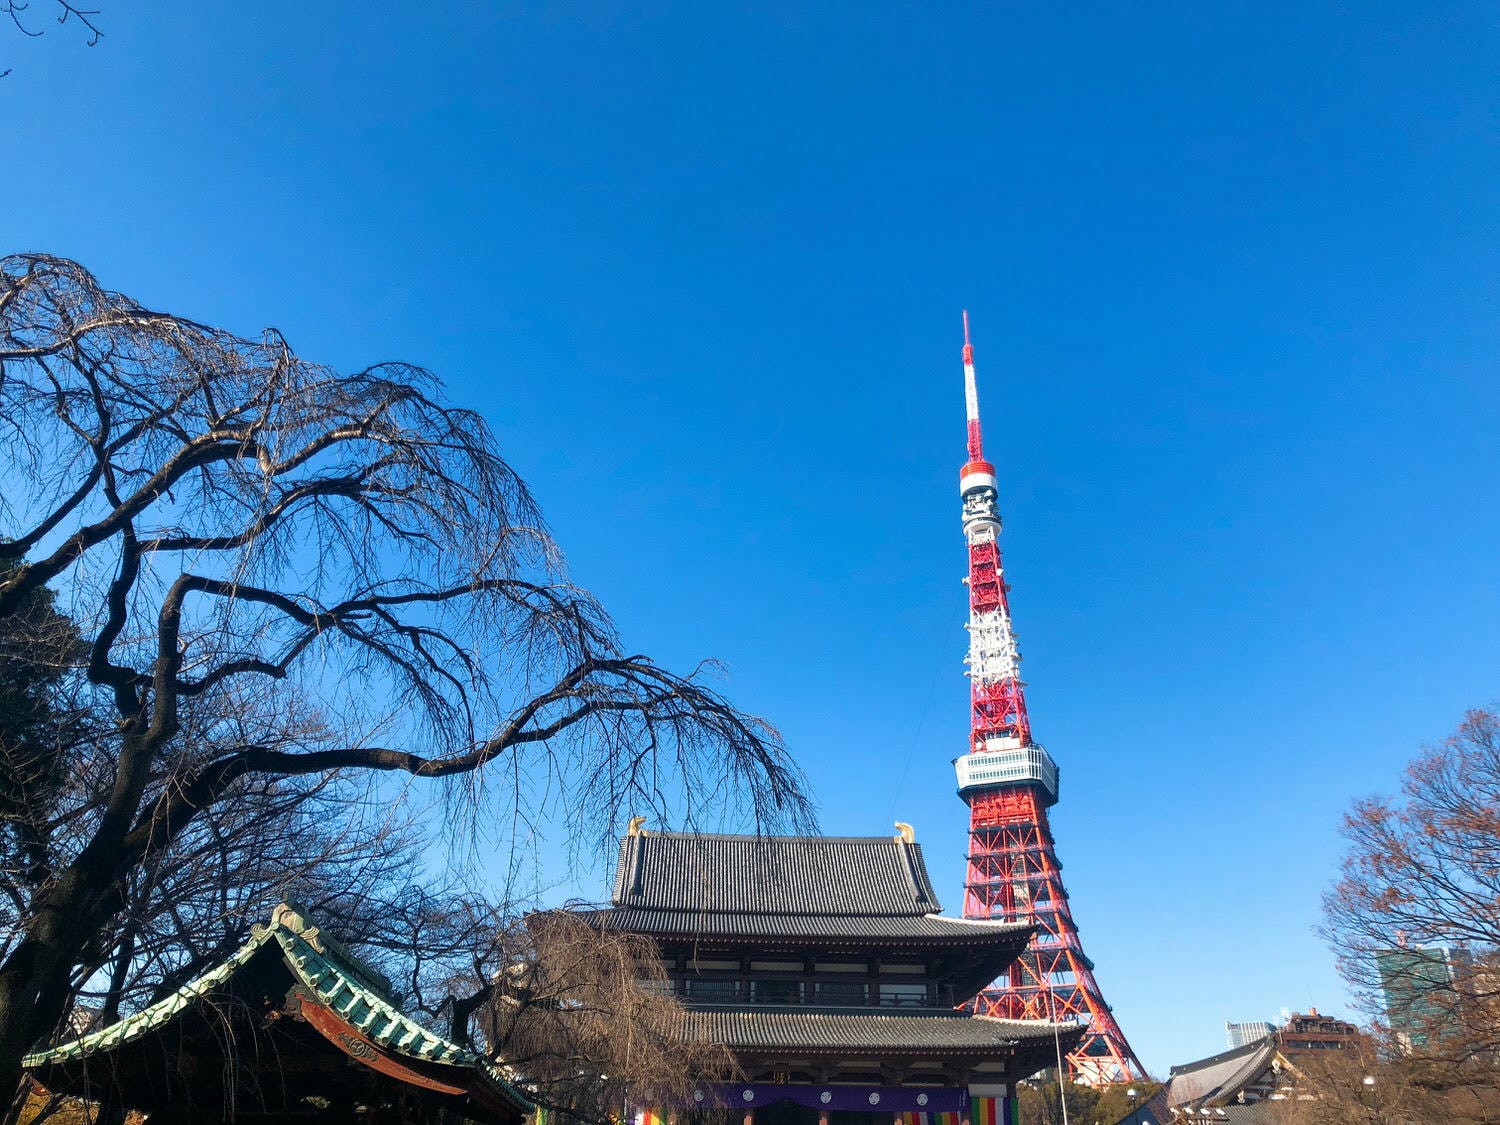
801, 894
342, 983
1257, 1113
784, 875
869, 1029
1220, 1077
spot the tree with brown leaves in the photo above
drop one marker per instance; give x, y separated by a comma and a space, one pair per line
329, 574
1415, 921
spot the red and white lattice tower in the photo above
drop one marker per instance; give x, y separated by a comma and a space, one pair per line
1009, 782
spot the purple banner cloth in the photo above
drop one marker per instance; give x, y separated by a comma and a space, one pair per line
878, 1099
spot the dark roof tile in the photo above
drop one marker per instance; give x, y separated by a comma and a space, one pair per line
788, 875
1220, 1076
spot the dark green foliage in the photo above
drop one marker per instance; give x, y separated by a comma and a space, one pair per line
39, 725
1116, 1105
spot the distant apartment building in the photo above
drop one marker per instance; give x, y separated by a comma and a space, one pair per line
1242, 1034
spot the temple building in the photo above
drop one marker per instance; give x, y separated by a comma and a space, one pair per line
291, 1028
1254, 1073
1243, 1083
826, 967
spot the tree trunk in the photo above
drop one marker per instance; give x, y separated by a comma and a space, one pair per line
35, 979
32, 1000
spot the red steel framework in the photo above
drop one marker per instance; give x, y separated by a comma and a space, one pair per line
1009, 782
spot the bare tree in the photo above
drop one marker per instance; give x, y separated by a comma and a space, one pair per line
586, 1015
61, 12
269, 841
571, 992
324, 841
30, 23
1372, 1086
226, 521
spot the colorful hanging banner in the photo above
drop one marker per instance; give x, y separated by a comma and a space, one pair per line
917, 1117
655, 1115
988, 1111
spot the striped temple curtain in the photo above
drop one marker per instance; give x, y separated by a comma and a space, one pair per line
655, 1115
988, 1111
907, 1118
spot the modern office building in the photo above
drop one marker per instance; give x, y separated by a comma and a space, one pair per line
1420, 986
1242, 1034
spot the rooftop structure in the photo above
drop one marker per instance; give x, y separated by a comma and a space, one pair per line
292, 1026
1314, 1032
1009, 781
826, 966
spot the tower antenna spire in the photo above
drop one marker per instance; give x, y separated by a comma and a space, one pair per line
1009, 782
971, 401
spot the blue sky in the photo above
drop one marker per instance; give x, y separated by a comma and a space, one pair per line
1232, 273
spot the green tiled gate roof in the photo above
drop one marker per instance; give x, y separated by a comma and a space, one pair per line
346, 986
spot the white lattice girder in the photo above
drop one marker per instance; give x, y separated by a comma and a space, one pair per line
993, 656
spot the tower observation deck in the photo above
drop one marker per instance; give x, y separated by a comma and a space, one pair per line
1009, 782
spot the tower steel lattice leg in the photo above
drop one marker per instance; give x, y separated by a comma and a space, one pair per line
1014, 876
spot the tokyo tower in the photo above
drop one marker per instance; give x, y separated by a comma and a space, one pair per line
1009, 782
